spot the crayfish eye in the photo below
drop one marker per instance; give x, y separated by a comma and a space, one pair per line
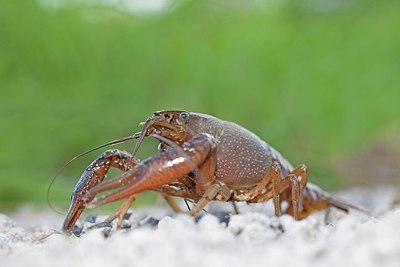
184, 116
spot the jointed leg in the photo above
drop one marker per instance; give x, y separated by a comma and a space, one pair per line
235, 207
302, 175
295, 195
167, 190
297, 180
274, 174
122, 210
171, 202
276, 187
211, 193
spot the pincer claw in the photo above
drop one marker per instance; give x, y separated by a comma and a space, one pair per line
79, 199
91, 177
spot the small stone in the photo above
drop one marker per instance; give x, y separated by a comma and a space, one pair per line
91, 218
100, 225
149, 221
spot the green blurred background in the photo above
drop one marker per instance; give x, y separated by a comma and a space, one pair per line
319, 80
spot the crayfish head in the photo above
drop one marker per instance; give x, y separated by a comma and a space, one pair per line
170, 124
178, 127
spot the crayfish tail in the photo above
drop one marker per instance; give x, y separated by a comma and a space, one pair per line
316, 199
346, 206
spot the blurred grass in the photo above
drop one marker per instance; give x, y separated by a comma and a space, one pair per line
315, 83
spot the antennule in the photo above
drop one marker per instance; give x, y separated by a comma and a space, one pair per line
141, 136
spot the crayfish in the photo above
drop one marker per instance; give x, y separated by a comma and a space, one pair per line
202, 158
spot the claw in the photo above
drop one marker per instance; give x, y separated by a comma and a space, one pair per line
156, 171
91, 177
88, 180
150, 174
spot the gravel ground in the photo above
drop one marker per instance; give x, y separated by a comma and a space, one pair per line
253, 238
